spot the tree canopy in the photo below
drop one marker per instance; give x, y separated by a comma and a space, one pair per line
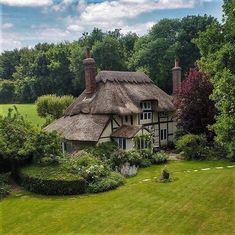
58, 69
218, 61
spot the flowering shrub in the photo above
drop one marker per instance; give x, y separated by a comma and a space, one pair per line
120, 157
159, 158
87, 166
128, 170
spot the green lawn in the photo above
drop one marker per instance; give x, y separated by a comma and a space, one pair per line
198, 202
27, 110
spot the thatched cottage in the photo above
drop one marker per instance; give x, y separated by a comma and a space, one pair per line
122, 106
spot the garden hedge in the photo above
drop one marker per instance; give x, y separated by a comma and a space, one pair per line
51, 180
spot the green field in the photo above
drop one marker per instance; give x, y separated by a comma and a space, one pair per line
197, 202
27, 110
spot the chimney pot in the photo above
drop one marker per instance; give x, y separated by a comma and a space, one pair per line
88, 53
177, 63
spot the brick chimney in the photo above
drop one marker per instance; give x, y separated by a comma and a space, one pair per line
90, 74
176, 77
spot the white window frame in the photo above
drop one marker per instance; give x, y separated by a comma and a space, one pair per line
146, 116
146, 105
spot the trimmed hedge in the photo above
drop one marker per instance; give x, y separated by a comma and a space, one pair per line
51, 181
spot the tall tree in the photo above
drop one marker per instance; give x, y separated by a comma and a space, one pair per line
167, 39
108, 54
218, 60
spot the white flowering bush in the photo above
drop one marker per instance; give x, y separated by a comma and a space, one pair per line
127, 170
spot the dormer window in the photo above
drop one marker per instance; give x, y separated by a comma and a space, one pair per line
146, 105
147, 110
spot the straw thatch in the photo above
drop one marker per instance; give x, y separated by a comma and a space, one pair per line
80, 127
121, 93
116, 93
126, 131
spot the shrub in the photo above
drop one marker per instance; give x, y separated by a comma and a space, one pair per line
104, 151
165, 176
192, 146
159, 158
51, 180
53, 106
128, 170
120, 157
71, 175
113, 181
4, 187
87, 166
145, 163
48, 161
20, 141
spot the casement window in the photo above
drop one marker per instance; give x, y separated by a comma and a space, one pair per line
122, 143
163, 134
142, 144
146, 116
146, 105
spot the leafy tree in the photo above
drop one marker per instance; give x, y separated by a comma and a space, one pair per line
7, 91
21, 142
195, 110
76, 67
218, 60
8, 62
169, 38
108, 54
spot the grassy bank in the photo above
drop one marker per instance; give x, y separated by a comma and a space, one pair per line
27, 110
197, 202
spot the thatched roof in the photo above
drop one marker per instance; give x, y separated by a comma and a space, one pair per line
120, 93
126, 131
119, 76
80, 127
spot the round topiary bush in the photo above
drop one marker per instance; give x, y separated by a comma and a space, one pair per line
51, 180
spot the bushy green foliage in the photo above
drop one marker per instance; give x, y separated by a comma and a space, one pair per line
20, 141
103, 151
113, 181
119, 157
16, 137
4, 187
218, 60
192, 146
53, 106
7, 91
87, 166
72, 175
159, 158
